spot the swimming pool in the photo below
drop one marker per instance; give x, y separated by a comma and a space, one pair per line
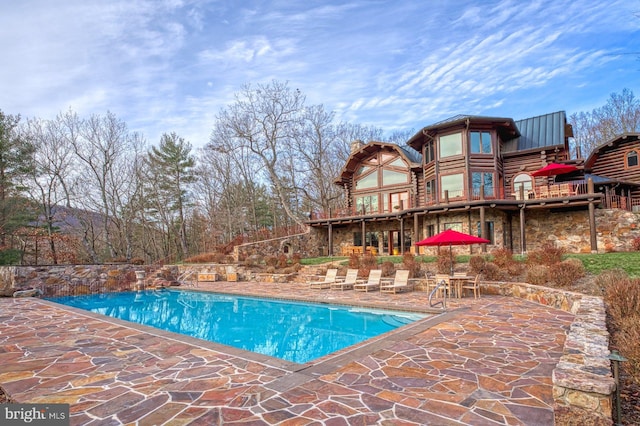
293, 331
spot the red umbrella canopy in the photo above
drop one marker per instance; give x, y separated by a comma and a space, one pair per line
553, 169
452, 238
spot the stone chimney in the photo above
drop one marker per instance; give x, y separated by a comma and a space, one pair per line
356, 145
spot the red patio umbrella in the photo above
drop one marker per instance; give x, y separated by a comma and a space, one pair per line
553, 169
452, 238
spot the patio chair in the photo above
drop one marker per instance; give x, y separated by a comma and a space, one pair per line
473, 285
329, 279
566, 189
543, 192
349, 281
400, 283
554, 191
372, 283
445, 285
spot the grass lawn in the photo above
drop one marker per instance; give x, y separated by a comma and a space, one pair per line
593, 263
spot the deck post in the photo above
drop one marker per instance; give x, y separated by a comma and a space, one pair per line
523, 241
592, 219
483, 231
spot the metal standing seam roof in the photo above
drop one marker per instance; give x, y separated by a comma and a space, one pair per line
539, 132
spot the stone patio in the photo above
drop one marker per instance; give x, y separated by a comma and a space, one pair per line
484, 362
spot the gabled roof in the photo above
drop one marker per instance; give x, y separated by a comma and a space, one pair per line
505, 127
544, 131
414, 159
600, 149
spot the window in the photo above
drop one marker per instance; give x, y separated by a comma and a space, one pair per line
456, 226
524, 181
482, 178
450, 145
430, 190
367, 204
429, 154
398, 162
489, 229
399, 200
480, 142
390, 177
431, 230
368, 181
452, 183
632, 158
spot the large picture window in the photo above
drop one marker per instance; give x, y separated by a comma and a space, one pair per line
450, 145
368, 181
391, 177
452, 183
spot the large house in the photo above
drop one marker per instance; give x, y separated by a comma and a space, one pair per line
478, 175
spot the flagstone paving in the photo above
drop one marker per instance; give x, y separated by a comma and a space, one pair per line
483, 362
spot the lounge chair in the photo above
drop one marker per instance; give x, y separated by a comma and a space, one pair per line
372, 283
329, 279
400, 283
349, 281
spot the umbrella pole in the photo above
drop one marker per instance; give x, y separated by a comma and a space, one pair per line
451, 258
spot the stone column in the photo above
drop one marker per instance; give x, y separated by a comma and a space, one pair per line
140, 280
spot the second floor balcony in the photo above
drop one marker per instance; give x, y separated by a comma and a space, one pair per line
563, 194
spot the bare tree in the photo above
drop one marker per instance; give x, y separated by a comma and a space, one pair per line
264, 120
621, 114
51, 171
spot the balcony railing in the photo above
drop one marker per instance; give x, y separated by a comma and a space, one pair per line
559, 191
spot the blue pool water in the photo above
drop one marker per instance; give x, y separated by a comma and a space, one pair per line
294, 331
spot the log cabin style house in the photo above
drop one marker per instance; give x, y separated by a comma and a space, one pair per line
475, 174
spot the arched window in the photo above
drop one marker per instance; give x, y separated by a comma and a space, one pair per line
524, 181
632, 158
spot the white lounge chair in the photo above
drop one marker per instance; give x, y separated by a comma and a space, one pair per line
329, 279
372, 283
349, 281
400, 283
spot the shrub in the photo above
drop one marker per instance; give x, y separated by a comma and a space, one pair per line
622, 298
635, 244
492, 272
565, 274
548, 255
627, 340
296, 258
502, 257
537, 274
283, 262
367, 263
445, 262
410, 263
271, 261
476, 264
354, 261
388, 269
137, 261
611, 275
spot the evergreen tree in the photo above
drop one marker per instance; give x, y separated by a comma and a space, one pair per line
171, 169
15, 154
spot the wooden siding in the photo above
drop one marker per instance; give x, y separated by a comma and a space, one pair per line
611, 162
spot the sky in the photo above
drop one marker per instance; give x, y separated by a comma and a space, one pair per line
171, 66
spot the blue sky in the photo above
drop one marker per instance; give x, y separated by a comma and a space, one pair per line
170, 66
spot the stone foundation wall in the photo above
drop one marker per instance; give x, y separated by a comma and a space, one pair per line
306, 245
